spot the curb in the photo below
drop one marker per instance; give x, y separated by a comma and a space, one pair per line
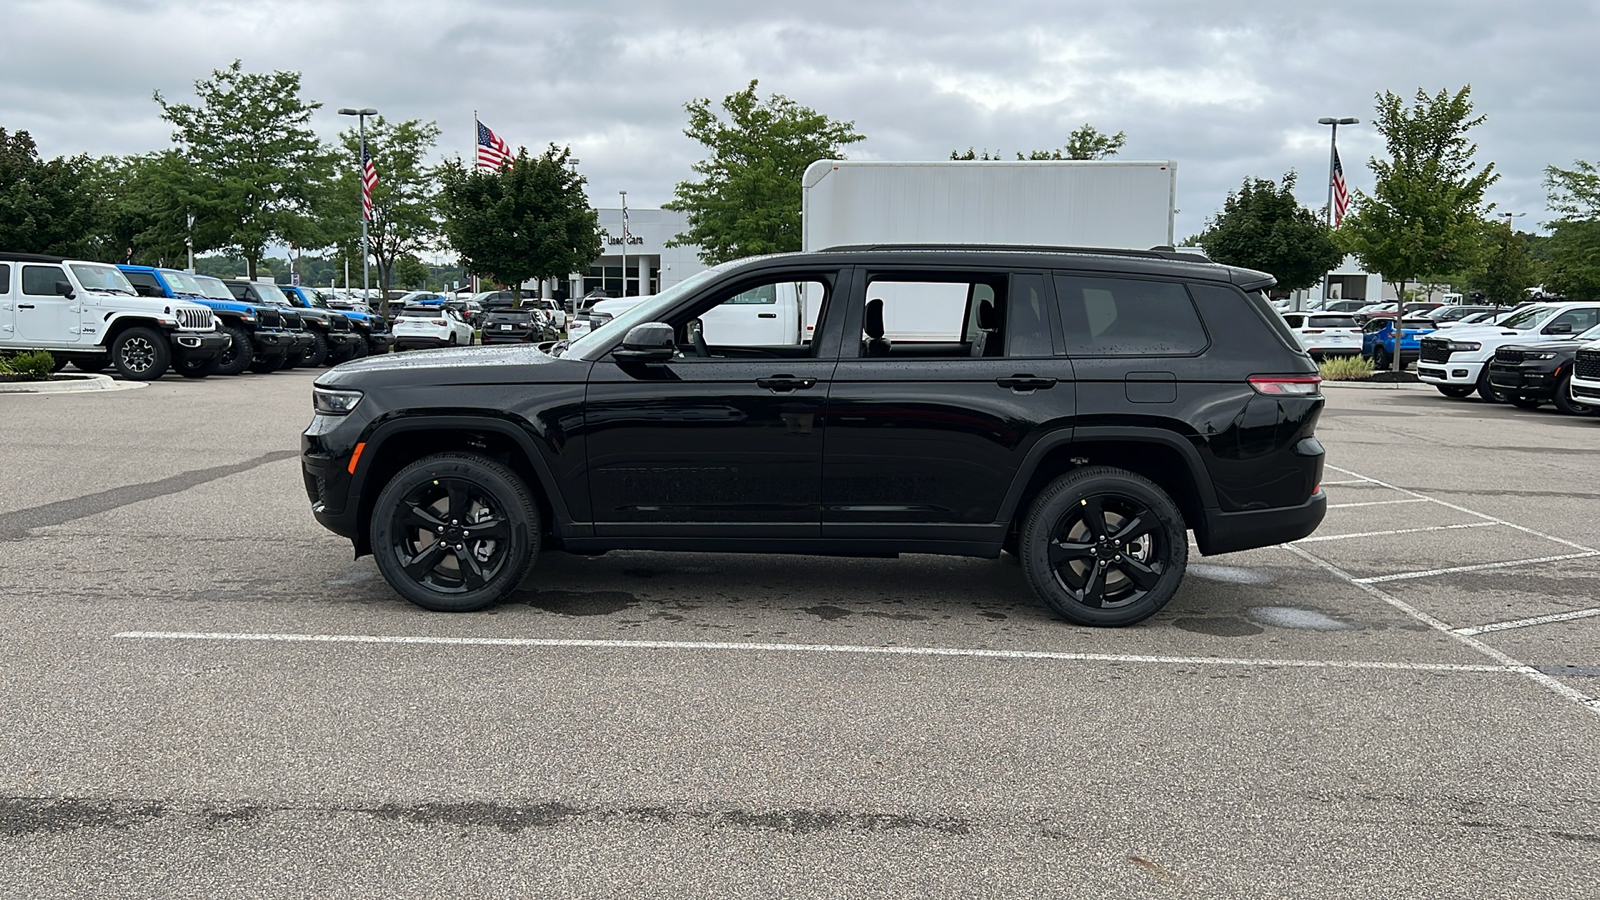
69, 384
1382, 386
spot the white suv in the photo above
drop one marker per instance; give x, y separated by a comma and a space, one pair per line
88, 313
1585, 383
1457, 362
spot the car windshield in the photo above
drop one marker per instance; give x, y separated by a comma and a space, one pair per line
183, 282
271, 294
1529, 318
1592, 334
648, 310
213, 288
103, 279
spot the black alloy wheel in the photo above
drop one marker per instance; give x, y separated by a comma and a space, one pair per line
1104, 547
140, 354
1566, 404
236, 357
1487, 390
1456, 391
455, 532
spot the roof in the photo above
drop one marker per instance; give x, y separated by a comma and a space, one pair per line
1164, 261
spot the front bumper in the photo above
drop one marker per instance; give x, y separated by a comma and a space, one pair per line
1586, 391
301, 341
1459, 372
340, 340
199, 346
1524, 380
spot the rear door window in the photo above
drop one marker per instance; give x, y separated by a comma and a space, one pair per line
1332, 322
1127, 317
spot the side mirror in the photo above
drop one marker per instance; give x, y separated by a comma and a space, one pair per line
64, 288
1559, 328
652, 342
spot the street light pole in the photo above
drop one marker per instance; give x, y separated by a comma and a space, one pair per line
361, 175
1333, 155
624, 242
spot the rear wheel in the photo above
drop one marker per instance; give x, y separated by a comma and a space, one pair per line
455, 532
141, 354
1487, 390
1104, 547
1455, 390
1381, 360
1566, 404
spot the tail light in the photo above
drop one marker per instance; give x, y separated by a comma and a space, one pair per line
437, 321
1286, 385
1311, 331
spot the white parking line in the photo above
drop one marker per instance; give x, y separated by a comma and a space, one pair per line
1513, 668
1536, 620
1377, 503
1362, 534
1352, 481
1428, 573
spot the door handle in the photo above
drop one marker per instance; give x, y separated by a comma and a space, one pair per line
24, 306
1023, 384
781, 384
766, 315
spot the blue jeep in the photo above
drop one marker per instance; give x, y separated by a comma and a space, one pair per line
1377, 341
253, 334
364, 339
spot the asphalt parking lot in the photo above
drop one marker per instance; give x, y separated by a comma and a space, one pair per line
201, 693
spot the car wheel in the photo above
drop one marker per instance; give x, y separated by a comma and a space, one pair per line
1526, 402
452, 341
91, 364
191, 368
360, 349
235, 359
318, 354
1104, 547
1455, 390
1381, 360
1566, 404
455, 532
1488, 391
140, 354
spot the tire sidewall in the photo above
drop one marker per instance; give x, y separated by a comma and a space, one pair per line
1066, 492
239, 353
161, 354
511, 496
318, 354
1564, 402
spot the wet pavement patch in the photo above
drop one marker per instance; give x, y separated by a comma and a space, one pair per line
1293, 617
582, 603
1218, 626
827, 613
20, 815
1571, 671
1229, 574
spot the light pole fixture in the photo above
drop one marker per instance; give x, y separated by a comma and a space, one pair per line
1510, 216
361, 175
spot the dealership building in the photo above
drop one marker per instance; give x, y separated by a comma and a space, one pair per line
643, 265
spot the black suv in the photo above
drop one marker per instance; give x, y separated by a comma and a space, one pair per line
1533, 374
1081, 409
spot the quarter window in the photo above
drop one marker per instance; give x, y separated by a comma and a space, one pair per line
1028, 320
1127, 317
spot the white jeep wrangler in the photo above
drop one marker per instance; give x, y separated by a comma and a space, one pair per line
88, 313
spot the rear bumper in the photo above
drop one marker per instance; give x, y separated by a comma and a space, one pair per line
201, 346
419, 342
1228, 532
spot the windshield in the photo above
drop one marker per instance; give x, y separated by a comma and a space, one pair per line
102, 279
213, 288
183, 282
271, 294
1530, 317
648, 310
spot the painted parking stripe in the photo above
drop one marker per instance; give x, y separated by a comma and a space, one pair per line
1377, 503
1536, 620
811, 648
1351, 481
1429, 573
1363, 534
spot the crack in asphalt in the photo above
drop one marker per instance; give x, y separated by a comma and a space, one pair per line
16, 525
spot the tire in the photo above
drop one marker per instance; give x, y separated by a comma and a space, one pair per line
1487, 391
1455, 391
57, 362
91, 364
361, 349
263, 366
318, 354
1567, 405
141, 354
235, 359
1526, 402
343, 354
440, 492
195, 369
452, 342
1381, 360
1099, 582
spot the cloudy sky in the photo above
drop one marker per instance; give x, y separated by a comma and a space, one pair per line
1228, 88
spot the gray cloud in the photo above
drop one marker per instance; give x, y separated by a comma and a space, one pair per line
1228, 89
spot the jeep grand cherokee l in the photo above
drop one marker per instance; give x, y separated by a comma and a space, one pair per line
1081, 409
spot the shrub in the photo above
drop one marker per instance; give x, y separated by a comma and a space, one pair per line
1345, 368
35, 365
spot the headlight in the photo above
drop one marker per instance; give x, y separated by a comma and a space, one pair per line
1465, 345
1526, 355
329, 402
247, 318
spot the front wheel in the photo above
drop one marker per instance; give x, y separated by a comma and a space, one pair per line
318, 354
1457, 391
1566, 404
1104, 547
1487, 390
141, 354
455, 532
236, 358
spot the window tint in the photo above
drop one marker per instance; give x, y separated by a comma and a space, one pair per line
1576, 320
1294, 321
759, 321
144, 279
1027, 320
1127, 317
5, 278
40, 281
935, 314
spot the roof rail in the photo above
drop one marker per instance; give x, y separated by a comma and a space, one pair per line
1160, 252
30, 257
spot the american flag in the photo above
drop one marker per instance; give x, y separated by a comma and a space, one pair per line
1341, 193
492, 152
369, 180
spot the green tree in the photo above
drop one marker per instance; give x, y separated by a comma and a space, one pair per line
411, 273
1262, 226
1572, 252
404, 222
146, 200
261, 174
1425, 216
1506, 267
530, 219
1087, 142
45, 206
749, 199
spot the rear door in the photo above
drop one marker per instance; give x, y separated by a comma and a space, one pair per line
947, 378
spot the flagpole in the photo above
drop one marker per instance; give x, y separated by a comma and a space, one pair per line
624, 242
472, 277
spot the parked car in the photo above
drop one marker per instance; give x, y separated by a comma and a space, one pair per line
1160, 395
1325, 334
518, 325
1343, 306
1530, 375
239, 321
1377, 341
469, 311
1446, 315
418, 298
335, 337
263, 293
1585, 384
263, 340
89, 314
372, 327
1457, 362
436, 327
598, 313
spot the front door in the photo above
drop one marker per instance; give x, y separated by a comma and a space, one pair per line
954, 378
43, 314
726, 439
